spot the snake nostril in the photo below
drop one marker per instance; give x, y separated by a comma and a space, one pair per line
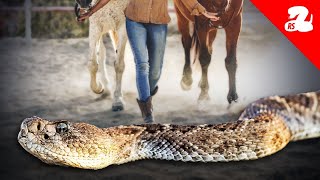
46, 136
38, 126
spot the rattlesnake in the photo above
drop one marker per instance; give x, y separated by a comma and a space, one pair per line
265, 127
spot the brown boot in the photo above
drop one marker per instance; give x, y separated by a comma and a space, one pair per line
146, 110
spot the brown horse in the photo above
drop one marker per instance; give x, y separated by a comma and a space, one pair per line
200, 32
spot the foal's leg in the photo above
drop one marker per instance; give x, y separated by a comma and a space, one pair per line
205, 40
102, 69
232, 35
119, 39
94, 36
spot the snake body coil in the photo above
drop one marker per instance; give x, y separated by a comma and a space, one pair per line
265, 127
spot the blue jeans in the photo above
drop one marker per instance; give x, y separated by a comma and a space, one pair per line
148, 43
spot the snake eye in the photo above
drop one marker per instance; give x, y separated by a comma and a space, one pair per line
62, 128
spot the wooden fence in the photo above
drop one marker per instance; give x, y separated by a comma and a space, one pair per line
28, 9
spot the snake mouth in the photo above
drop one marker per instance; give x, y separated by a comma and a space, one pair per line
22, 141
28, 139
23, 133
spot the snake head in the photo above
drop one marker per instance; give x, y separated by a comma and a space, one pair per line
78, 145
64, 143
39, 137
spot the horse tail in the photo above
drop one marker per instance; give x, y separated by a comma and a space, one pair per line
195, 42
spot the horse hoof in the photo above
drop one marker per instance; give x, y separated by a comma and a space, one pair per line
185, 84
232, 97
117, 106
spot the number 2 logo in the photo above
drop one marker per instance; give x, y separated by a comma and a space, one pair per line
299, 24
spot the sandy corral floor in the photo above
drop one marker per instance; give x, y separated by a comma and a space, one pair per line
50, 79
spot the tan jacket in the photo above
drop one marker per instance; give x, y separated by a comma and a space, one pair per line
156, 11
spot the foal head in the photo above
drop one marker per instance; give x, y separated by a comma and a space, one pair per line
84, 3
82, 6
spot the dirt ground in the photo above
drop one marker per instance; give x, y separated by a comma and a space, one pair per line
50, 79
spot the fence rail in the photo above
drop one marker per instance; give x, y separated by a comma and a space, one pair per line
40, 8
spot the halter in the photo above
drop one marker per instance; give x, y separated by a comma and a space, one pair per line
224, 24
221, 14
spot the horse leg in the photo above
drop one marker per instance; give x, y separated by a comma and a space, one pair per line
102, 69
205, 59
119, 40
186, 29
186, 80
232, 35
94, 36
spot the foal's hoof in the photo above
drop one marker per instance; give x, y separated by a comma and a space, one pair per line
117, 106
186, 83
232, 97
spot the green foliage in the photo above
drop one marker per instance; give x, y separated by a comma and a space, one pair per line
57, 25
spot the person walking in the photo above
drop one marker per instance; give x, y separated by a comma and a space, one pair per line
146, 23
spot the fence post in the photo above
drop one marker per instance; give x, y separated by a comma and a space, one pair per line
27, 12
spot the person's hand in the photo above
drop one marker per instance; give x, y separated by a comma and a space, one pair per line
211, 16
84, 16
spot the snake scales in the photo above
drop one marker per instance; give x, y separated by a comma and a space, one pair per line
265, 127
